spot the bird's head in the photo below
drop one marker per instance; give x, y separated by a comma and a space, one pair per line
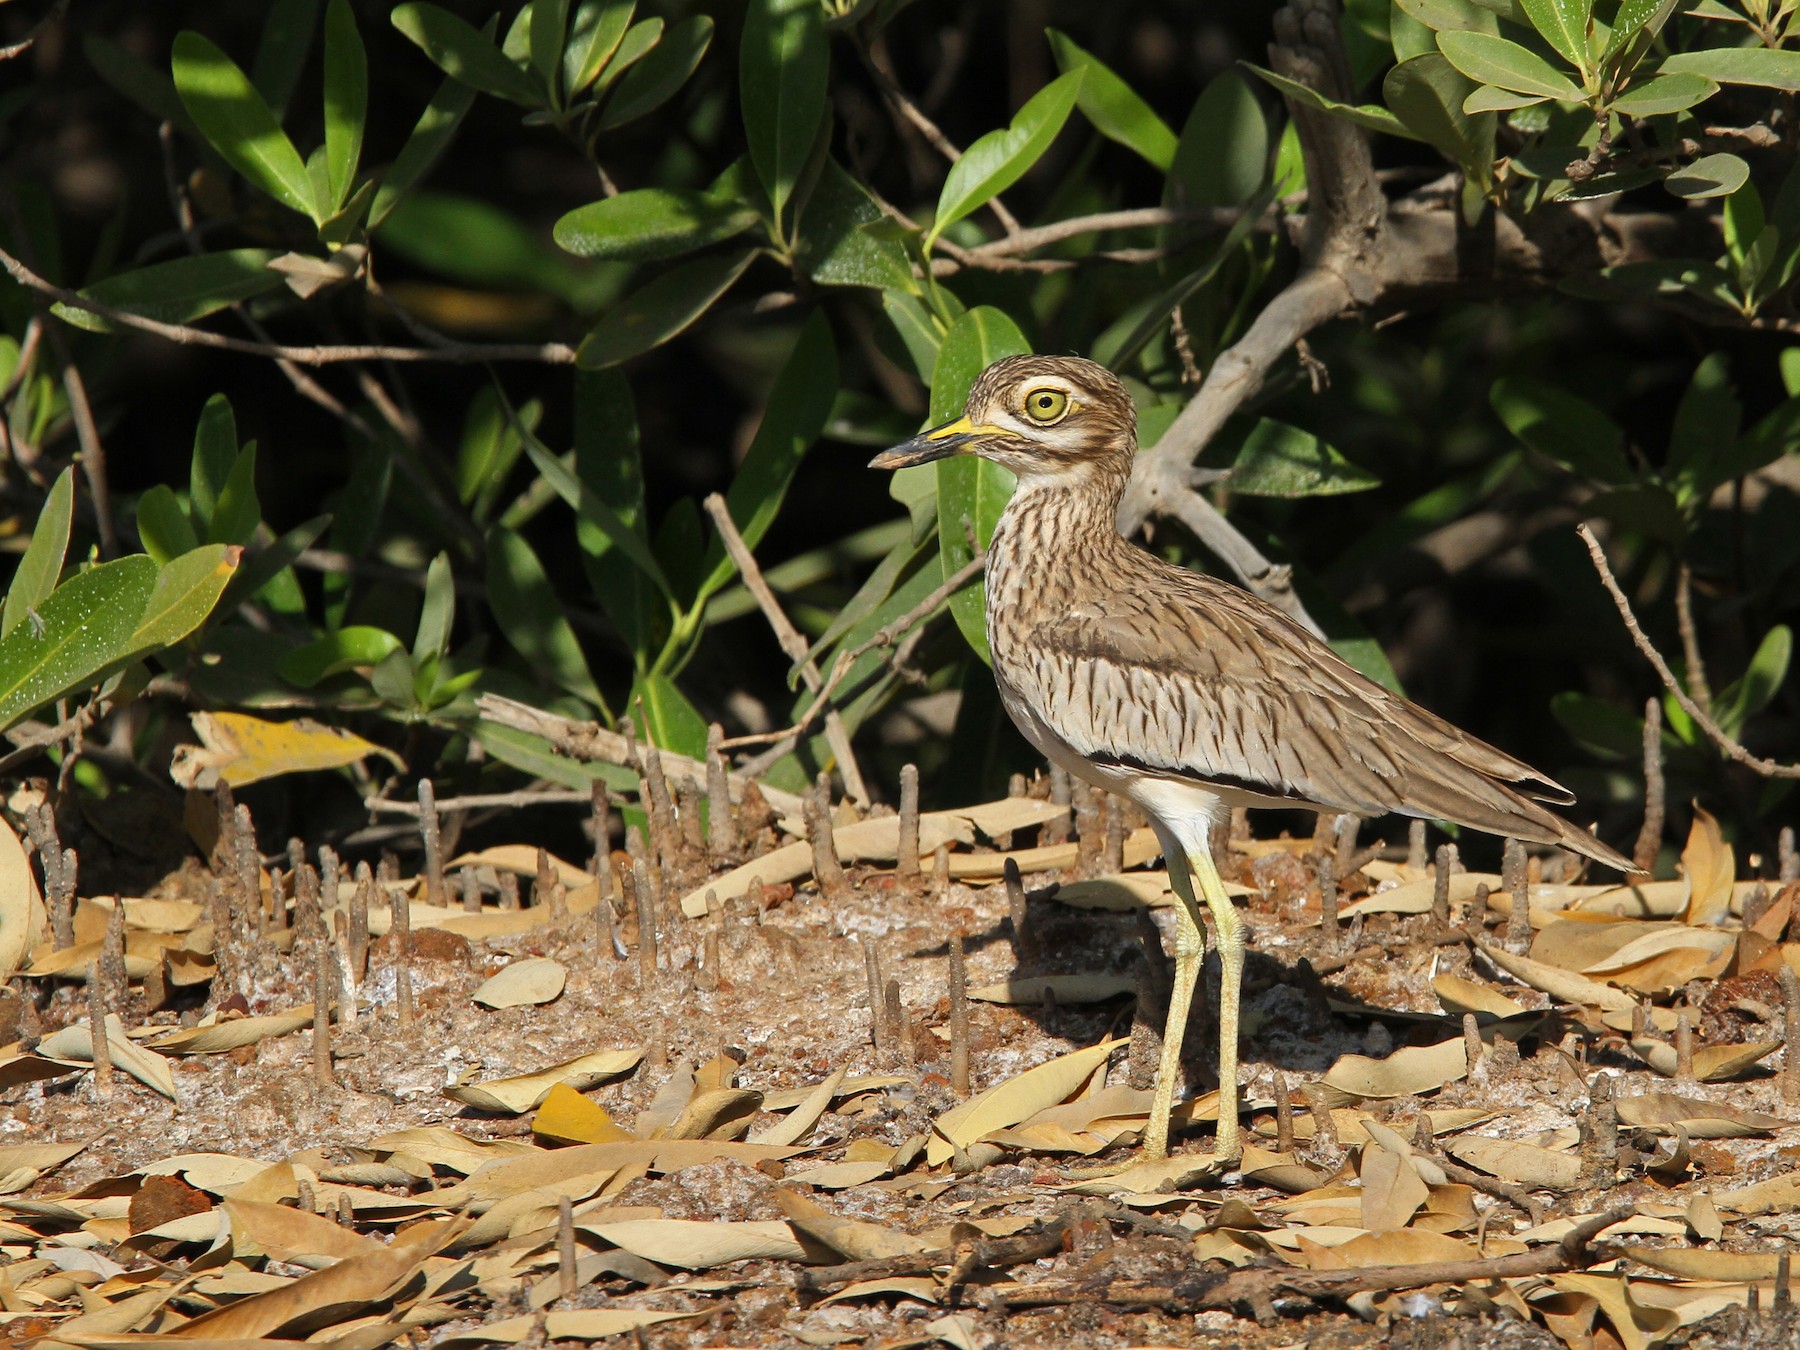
1043, 417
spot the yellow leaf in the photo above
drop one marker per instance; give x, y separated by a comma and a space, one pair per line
1710, 868
570, 1118
236, 749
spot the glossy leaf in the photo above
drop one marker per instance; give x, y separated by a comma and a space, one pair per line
186, 592
1768, 669
430, 137
282, 49
1488, 59
1223, 155
347, 649
999, 159
783, 67
1570, 430
1450, 14
1717, 175
651, 316
266, 572
437, 612
654, 80
527, 610
639, 41
549, 21
1113, 106
238, 512
1664, 93
835, 247
1706, 421
163, 525
215, 455
798, 406
595, 511
666, 719
80, 629
1600, 726
610, 468
346, 99
1429, 94
593, 38
1369, 116
180, 290
919, 330
651, 223
465, 53
1278, 460
971, 491
1563, 24
42, 563
232, 115
1769, 68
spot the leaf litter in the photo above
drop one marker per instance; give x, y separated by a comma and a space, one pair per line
753, 1136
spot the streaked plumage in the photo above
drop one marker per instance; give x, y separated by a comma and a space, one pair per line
1181, 691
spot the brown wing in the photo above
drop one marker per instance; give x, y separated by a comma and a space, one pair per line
1181, 675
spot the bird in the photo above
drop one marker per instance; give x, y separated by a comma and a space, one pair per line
1187, 694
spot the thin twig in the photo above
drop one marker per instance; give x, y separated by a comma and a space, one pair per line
884, 637
93, 453
1767, 768
550, 353
1690, 637
837, 736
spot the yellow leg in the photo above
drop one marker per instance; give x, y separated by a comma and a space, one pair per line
1189, 950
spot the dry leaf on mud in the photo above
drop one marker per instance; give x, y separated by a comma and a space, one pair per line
524, 983
576, 1324
1416, 897
1512, 1160
1122, 892
1392, 1190
296, 1236
217, 1037
921, 1287
852, 1239
1700, 1119
1402, 1247
1711, 870
1690, 1263
1565, 986
74, 1045
1408, 1072
1459, 996
1639, 1327
694, 1244
1712, 1063
1018, 1098
1777, 1195
22, 916
570, 1118
516, 1095
798, 1122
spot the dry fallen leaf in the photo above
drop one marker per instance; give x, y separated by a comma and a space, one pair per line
577, 1324
22, 917
236, 749
851, 1239
516, 1095
570, 1118
1710, 869
693, 1244
1700, 1119
524, 983
1512, 1160
798, 1122
217, 1037
1712, 1063
1408, 1072
1008, 1103
1096, 988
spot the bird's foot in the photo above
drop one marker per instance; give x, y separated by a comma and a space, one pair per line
1145, 1175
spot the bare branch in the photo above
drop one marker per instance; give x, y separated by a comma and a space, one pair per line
792, 642
1767, 768
549, 353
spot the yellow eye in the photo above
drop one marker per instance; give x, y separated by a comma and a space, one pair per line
1046, 405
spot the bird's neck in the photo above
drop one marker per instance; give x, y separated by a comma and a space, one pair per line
1053, 527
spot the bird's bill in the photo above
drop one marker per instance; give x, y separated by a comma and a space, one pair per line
952, 438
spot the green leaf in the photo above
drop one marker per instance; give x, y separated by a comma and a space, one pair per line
266, 573
238, 512
1664, 93
666, 719
1770, 68
1709, 176
1368, 116
651, 82
282, 50
1564, 25
234, 118
79, 629
659, 311
1706, 422
465, 53
593, 38
784, 64
1570, 430
215, 455
180, 290
437, 613
549, 20
163, 525
1600, 726
1429, 95
1278, 460
1222, 158
639, 41
651, 223
999, 159
919, 331
1488, 59
42, 563
346, 649
477, 242
835, 248
526, 609
971, 491
596, 512
346, 100
1635, 19
1747, 697
609, 464
430, 137
1450, 14
798, 406
535, 757
187, 590
1112, 106
144, 85
1486, 98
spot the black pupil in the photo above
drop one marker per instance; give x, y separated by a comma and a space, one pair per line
1045, 402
